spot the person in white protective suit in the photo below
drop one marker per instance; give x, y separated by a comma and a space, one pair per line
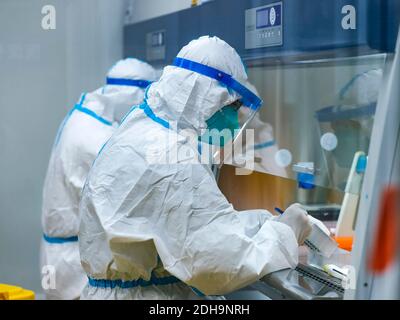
155, 229
81, 135
265, 148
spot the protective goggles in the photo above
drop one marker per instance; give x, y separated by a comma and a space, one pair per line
248, 98
128, 82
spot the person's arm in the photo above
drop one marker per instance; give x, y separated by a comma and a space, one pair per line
253, 220
222, 250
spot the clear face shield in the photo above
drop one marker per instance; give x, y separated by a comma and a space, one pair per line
237, 153
227, 130
234, 151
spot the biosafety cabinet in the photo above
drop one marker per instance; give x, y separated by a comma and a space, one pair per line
326, 136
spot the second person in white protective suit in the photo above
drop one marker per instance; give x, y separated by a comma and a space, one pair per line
81, 135
265, 146
155, 229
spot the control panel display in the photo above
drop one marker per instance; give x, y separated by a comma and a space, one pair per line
155, 45
157, 39
264, 26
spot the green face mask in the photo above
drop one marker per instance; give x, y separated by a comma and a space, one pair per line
221, 126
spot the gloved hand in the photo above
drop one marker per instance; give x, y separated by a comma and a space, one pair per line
298, 220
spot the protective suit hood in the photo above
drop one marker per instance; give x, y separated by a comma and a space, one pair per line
113, 103
114, 100
187, 99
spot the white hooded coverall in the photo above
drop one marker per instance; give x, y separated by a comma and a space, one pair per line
154, 229
82, 134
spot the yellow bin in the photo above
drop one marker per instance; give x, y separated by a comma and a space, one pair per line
8, 292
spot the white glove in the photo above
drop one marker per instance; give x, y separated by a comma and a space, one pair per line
298, 220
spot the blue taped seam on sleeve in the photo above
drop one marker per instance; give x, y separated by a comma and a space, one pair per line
59, 240
249, 99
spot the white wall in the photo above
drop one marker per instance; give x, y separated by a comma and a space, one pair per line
146, 9
94, 40
42, 74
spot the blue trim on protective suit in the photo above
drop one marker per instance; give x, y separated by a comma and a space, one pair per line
263, 145
197, 292
80, 108
332, 113
60, 240
128, 82
61, 128
347, 87
147, 110
135, 107
249, 99
92, 114
154, 281
83, 97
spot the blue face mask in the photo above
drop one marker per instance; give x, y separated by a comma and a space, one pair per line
221, 126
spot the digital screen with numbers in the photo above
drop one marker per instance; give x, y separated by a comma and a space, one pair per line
269, 17
262, 18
